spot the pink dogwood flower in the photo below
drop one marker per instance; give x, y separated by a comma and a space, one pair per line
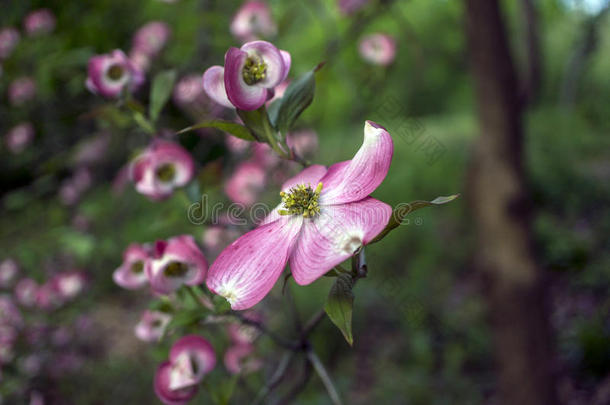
325, 216
239, 359
176, 262
161, 168
246, 183
8, 271
69, 284
190, 359
21, 90
249, 75
348, 7
26, 291
378, 49
131, 274
9, 38
40, 21
152, 326
151, 38
109, 74
304, 142
19, 137
253, 20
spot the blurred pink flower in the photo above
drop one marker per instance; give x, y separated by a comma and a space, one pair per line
69, 284
161, 168
242, 333
109, 74
9, 313
325, 216
21, 90
252, 21
8, 271
19, 137
378, 49
246, 183
72, 188
239, 359
9, 38
131, 274
216, 238
152, 326
40, 21
304, 142
151, 38
236, 145
348, 7
176, 262
190, 359
188, 90
92, 150
47, 297
26, 291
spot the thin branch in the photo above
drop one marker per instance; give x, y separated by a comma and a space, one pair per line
325, 377
279, 340
299, 386
276, 379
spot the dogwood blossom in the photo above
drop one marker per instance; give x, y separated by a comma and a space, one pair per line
325, 216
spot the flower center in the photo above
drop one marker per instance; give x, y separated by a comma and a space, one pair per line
175, 269
301, 200
137, 267
166, 172
254, 70
115, 72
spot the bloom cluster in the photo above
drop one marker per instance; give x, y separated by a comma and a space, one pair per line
31, 345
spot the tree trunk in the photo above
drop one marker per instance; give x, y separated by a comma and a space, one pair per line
516, 292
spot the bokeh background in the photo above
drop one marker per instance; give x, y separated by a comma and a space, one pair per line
421, 317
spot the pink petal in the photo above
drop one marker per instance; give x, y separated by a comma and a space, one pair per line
198, 349
214, 85
359, 177
310, 175
241, 95
335, 235
167, 396
287, 63
248, 268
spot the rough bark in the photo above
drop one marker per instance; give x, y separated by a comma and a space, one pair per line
515, 288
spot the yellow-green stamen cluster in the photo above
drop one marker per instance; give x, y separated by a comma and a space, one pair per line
137, 267
166, 172
115, 72
175, 269
301, 200
254, 70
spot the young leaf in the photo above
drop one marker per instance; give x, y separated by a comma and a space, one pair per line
161, 89
296, 99
339, 305
257, 122
233, 128
402, 210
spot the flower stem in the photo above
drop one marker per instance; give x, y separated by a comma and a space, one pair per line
325, 377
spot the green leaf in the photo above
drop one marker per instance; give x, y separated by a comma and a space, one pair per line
221, 389
233, 128
402, 210
161, 89
221, 305
184, 318
257, 122
296, 99
339, 305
